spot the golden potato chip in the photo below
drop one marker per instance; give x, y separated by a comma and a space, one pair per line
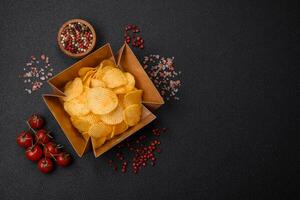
86, 80
107, 62
97, 83
86, 88
73, 89
83, 123
130, 81
114, 78
77, 106
84, 70
99, 130
120, 128
101, 71
126, 88
80, 124
98, 142
117, 130
74, 108
111, 135
120, 90
133, 97
101, 100
132, 114
83, 78
114, 117
91, 118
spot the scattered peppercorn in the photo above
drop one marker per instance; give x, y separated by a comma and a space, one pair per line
143, 150
130, 35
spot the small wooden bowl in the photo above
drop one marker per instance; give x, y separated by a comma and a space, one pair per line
76, 55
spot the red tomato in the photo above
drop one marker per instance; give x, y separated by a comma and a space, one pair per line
34, 153
25, 139
42, 137
51, 149
45, 165
63, 159
35, 121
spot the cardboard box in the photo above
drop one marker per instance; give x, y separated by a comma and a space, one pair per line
125, 60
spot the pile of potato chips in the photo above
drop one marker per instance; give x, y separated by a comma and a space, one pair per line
102, 102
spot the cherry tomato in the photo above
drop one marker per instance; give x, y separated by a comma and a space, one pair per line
42, 137
25, 139
35, 121
45, 165
51, 149
34, 153
63, 159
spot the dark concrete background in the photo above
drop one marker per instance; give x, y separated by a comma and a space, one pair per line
233, 135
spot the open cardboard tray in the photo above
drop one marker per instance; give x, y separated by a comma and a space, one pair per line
127, 61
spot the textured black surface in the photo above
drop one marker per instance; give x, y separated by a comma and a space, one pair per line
233, 135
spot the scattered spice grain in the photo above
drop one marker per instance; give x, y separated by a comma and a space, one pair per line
162, 72
35, 72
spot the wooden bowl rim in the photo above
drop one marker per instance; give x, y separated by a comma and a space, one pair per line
78, 55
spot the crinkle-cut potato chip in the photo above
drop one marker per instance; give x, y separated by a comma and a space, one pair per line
133, 97
101, 100
87, 78
120, 128
132, 114
106, 62
88, 74
73, 89
111, 135
99, 130
83, 123
114, 117
117, 130
130, 81
114, 78
97, 83
80, 124
82, 71
98, 142
120, 90
101, 71
77, 106
91, 118
87, 81
128, 87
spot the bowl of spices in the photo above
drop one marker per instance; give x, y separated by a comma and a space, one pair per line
76, 38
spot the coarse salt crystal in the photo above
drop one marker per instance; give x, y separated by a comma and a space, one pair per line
162, 71
34, 74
